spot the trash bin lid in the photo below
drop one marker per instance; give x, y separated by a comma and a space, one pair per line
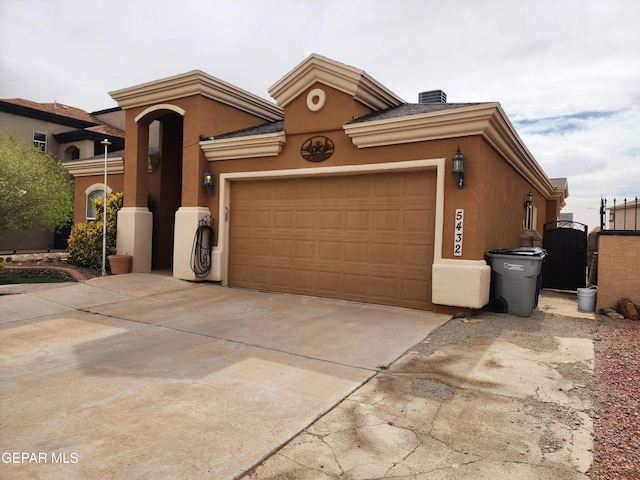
521, 251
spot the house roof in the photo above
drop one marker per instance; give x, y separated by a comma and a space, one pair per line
408, 109
271, 127
55, 108
84, 124
404, 110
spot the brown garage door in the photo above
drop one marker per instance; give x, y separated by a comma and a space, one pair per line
362, 237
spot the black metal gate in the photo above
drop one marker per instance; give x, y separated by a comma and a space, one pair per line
566, 266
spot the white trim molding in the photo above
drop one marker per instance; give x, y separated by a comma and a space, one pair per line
94, 166
97, 186
161, 106
347, 79
266, 145
487, 120
191, 83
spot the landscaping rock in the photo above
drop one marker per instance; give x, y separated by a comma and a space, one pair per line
627, 309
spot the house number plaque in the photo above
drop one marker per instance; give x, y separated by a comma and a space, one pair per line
457, 240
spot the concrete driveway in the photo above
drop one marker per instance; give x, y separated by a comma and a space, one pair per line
147, 376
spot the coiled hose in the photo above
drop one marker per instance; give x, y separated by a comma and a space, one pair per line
202, 246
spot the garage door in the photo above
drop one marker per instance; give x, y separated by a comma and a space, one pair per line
362, 237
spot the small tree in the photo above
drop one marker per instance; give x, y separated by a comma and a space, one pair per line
85, 240
34, 190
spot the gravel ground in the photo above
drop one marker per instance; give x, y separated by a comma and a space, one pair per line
617, 393
614, 387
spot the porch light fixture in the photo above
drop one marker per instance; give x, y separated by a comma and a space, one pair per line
457, 168
528, 206
529, 201
106, 144
208, 183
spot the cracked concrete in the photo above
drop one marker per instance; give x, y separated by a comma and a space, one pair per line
497, 398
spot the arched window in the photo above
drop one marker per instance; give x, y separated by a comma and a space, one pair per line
92, 193
72, 153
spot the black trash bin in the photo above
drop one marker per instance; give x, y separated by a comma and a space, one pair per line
515, 279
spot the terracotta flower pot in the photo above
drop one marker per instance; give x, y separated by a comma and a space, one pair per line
119, 263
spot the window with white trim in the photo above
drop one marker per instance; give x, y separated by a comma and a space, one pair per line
40, 141
91, 208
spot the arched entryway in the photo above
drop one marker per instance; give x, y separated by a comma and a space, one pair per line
165, 133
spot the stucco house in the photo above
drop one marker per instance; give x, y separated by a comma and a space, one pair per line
70, 134
339, 189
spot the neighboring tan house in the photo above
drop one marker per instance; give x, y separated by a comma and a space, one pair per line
70, 134
340, 189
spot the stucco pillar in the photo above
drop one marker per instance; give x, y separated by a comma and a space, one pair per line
135, 221
135, 226
186, 225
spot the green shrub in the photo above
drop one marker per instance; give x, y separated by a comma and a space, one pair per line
85, 240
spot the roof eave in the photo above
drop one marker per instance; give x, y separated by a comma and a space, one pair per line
195, 83
347, 79
487, 120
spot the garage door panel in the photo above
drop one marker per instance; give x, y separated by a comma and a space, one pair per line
414, 290
307, 191
304, 281
355, 284
331, 219
261, 219
416, 255
386, 220
364, 237
389, 186
329, 283
306, 249
418, 221
357, 220
330, 251
306, 219
283, 219
386, 288
356, 252
281, 277
333, 190
283, 247
358, 188
385, 253
260, 247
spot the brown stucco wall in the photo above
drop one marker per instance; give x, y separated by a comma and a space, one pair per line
203, 117
618, 267
501, 193
492, 198
115, 182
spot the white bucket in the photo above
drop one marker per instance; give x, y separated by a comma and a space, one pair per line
587, 299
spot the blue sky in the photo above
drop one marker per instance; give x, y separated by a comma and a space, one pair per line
567, 73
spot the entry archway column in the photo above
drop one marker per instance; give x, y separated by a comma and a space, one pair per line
135, 221
194, 201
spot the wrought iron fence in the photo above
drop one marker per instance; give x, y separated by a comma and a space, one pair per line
623, 215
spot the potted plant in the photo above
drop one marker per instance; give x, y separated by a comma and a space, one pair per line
119, 263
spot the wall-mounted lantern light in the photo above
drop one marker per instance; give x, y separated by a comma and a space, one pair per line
528, 206
208, 183
529, 201
457, 168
